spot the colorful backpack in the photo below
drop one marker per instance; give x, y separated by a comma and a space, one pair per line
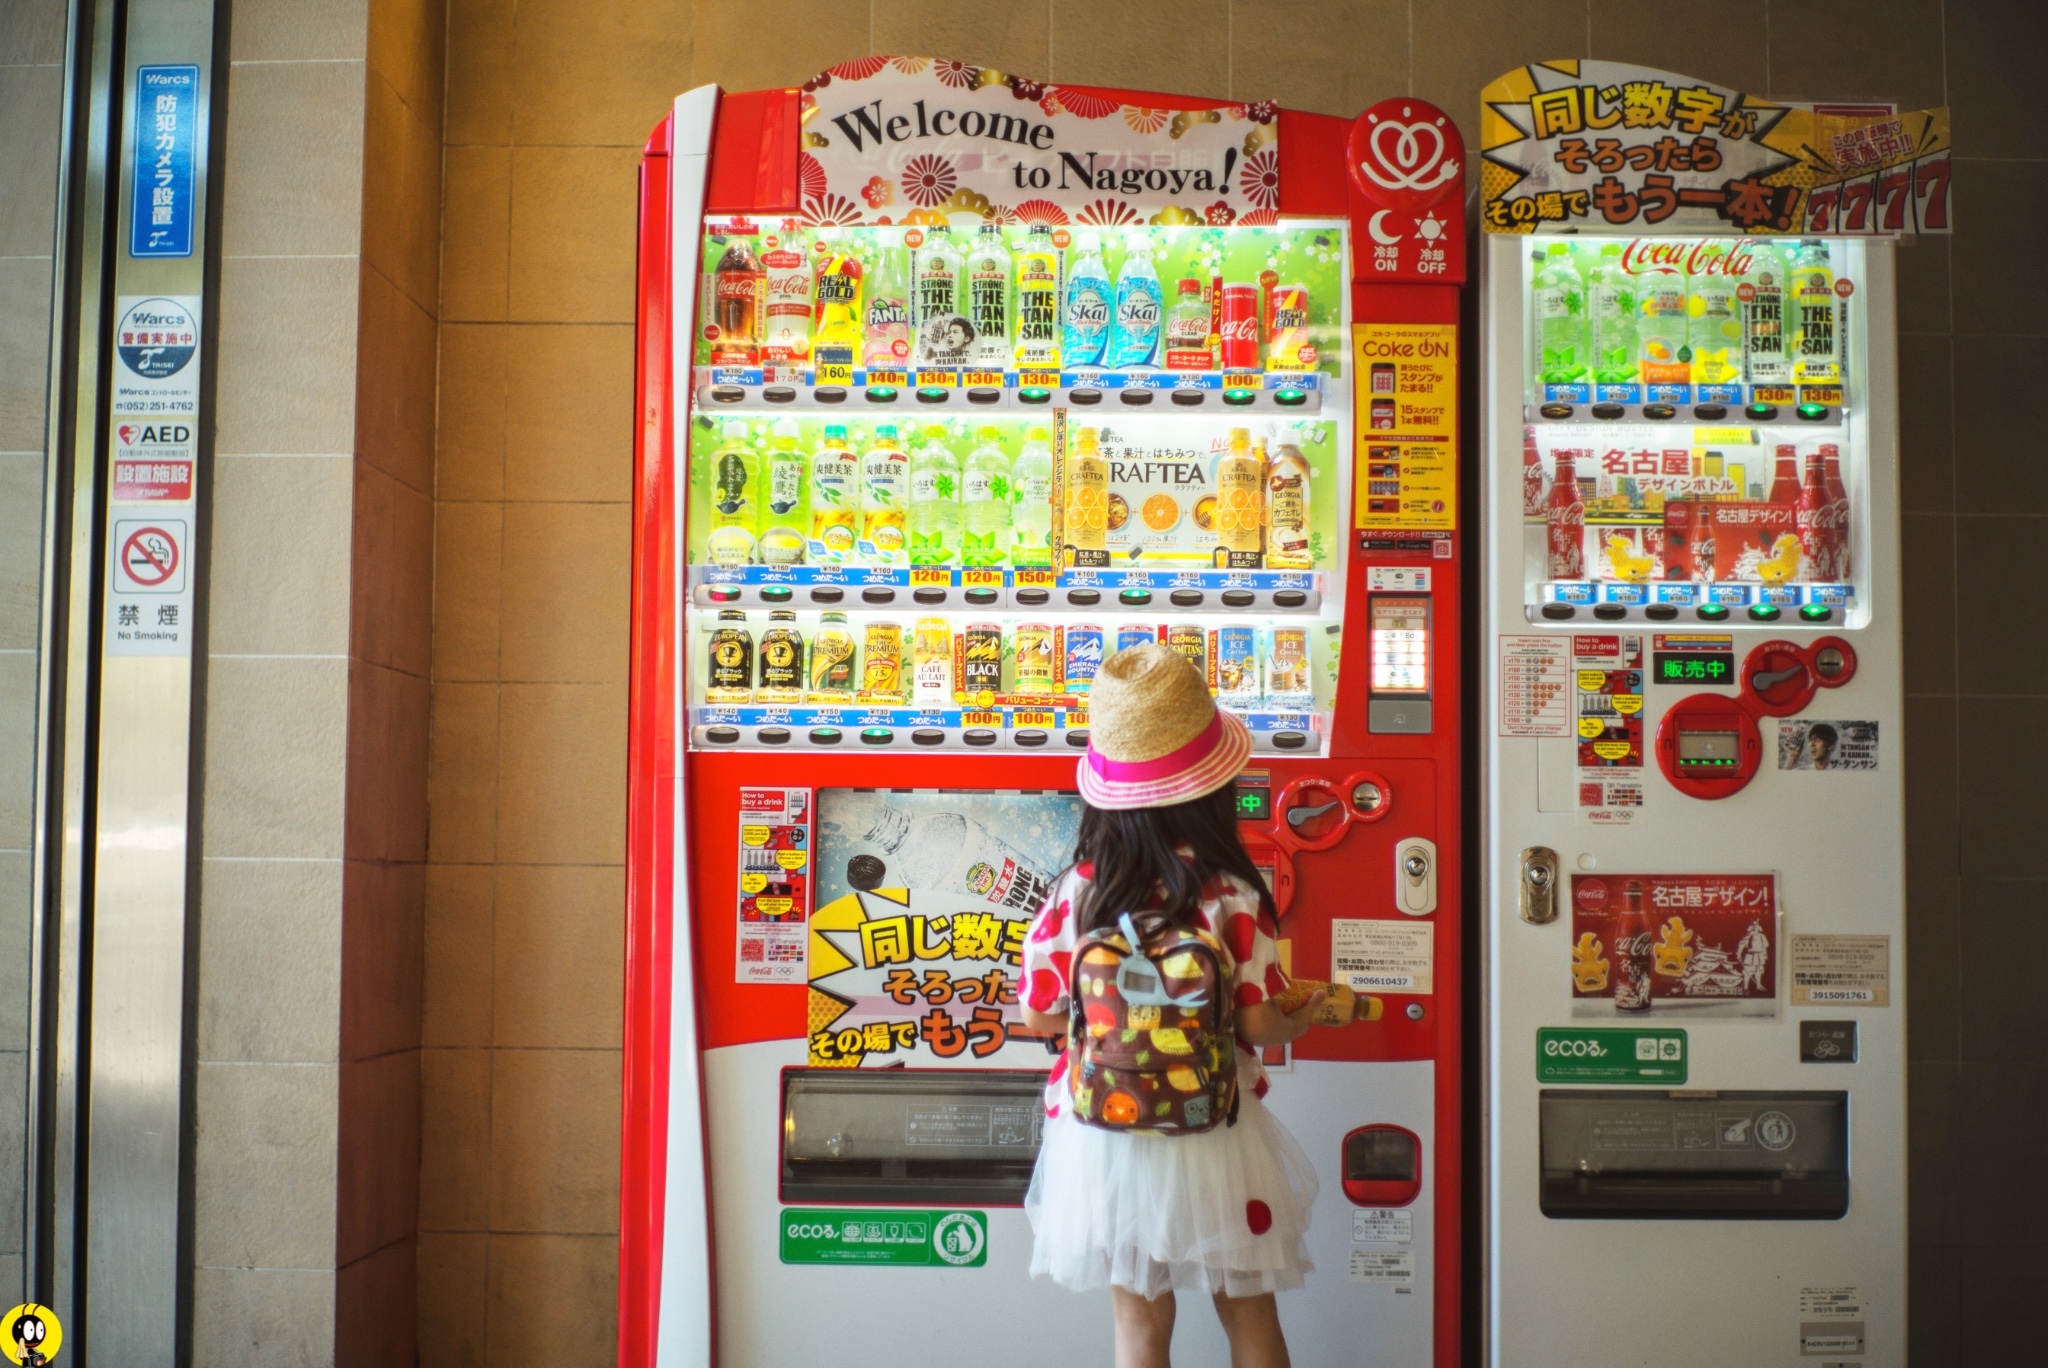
1151, 1039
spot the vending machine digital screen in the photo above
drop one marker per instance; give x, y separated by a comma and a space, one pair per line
1399, 646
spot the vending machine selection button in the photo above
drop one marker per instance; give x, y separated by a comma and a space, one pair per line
721, 736
828, 593
1289, 740
1129, 598
772, 736
1084, 598
1661, 612
1559, 612
929, 595
1237, 598
1033, 598
982, 598
1289, 598
876, 736
1078, 738
928, 736
1608, 412
1186, 598
1029, 737
878, 593
1610, 612
1711, 612
979, 736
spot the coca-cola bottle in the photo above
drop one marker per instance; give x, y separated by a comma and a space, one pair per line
1565, 512
1532, 475
739, 287
1815, 522
1785, 481
1632, 952
1831, 461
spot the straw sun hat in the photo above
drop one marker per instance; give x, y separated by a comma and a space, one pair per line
1155, 736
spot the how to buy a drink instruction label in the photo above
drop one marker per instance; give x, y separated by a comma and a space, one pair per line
1607, 693
774, 884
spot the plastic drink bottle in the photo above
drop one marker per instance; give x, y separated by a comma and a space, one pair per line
1135, 343
985, 502
935, 279
1561, 317
1240, 504
1611, 317
785, 519
837, 286
1814, 521
1816, 345
884, 489
1187, 331
1663, 349
1565, 515
1085, 521
735, 514
788, 336
1760, 291
1831, 465
885, 328
1085, 338
835, 498
988, 297
1287, 505
1038, 301
1031, 516
739, 285
1714, 319
934, 501
1533, 489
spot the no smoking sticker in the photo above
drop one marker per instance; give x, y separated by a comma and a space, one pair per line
149, 556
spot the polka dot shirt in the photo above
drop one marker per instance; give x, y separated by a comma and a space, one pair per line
1229, 908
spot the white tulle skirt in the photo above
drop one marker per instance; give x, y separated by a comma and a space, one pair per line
1222, 1211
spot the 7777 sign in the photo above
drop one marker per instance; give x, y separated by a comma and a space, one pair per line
1604, 147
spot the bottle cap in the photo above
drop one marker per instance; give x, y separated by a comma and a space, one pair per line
782, 615
835, 432
885, 432
987, 432
1193, 287
935, 432
735, 430
833, 617
732, 615
1036, 434
785, 431
1239, 436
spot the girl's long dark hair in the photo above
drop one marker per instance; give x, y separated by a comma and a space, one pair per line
1134, 854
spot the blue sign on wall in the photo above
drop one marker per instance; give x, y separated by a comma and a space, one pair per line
166, 137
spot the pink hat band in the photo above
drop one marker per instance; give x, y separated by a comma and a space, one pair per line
1194, 770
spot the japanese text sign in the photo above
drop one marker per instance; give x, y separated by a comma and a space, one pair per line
1701, 940
1606, 147
918, 139
166, 136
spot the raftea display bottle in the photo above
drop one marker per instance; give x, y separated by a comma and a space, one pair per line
1085, 516
1287, 506
784, 518
1240, 504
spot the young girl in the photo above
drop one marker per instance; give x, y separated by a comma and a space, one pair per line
1221, 1210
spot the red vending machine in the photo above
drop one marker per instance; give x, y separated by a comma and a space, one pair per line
952, 384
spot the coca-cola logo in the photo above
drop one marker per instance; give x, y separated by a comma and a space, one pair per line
1239, 329
1591, 893
1704, 257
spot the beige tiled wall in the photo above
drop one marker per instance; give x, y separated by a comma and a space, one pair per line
31, 100
548, 104
314, 878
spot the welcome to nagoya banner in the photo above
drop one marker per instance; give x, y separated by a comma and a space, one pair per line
920, 140
1605, 147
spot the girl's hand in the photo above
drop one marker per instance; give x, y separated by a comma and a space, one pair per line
1303, 1017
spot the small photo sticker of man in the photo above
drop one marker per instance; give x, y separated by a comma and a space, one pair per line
1826, 745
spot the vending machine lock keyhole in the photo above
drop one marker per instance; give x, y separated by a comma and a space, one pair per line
1539, 886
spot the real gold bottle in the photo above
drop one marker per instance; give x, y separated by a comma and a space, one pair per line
1240, 505
1085, 517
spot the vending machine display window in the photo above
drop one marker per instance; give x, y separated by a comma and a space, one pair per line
1695, 444
1400, 651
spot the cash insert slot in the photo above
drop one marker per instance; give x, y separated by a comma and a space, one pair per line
928, 1137
1631, 1154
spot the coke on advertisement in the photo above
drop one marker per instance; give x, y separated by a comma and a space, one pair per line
1632, 952
1831, 462
1532, 475
1240, 327
1815, 522
1565, 515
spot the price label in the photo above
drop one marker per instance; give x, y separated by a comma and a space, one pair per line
1032, 579
834, 373
981, 576
1030, 718
927, 575
1243, 380
1076, 718
1772, 394
1039, 379
1820, 394
886, 377
981, 719
982, 379
945, 379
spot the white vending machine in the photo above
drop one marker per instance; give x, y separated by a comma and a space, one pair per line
1691, 799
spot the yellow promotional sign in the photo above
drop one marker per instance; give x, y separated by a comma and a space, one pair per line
1406, 471
1607, 147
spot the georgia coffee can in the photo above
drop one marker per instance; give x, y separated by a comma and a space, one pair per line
1127, 637
981, 663
1081, 658
1034, 658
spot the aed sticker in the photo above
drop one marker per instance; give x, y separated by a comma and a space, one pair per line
1382, 1225
1375, 956
30, 1334
1831, 1321
1393, 1267
892, 1237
